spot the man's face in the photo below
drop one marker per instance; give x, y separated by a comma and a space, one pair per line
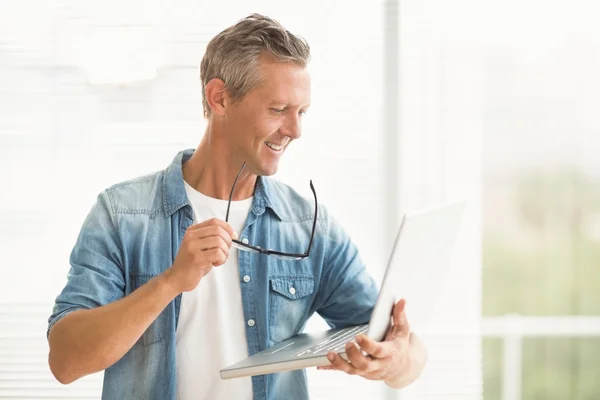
269, 117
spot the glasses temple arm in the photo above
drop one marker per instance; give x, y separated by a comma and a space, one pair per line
231, 193
312, 234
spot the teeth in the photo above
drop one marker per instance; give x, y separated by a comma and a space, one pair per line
275, 147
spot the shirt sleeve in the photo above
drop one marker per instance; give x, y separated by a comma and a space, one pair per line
96, 275
348, 292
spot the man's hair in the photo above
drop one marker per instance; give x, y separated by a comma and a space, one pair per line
233, 55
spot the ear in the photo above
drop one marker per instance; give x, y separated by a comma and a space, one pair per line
215, 96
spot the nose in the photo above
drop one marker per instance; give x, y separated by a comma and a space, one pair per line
292, 127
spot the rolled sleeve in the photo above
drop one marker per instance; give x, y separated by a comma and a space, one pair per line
96, 276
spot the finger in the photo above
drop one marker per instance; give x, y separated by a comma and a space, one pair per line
340, 364
214, 222
362, 363
373, 348
208, 231
326, 368
400, 318
216, 257
398, 310
213, 242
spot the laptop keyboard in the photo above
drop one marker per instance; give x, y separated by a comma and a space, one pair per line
335, 343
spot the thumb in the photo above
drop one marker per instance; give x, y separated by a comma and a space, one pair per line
400, 319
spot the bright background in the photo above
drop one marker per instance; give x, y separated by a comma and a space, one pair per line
414, 102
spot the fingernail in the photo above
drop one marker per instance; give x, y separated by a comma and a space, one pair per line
235, 235
330, 357
359, 339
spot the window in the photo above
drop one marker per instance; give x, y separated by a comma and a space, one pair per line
541, 202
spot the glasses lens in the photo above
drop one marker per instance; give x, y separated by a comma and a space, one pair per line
242, 247
254, 249
290, 257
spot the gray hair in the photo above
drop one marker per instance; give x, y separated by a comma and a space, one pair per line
233, 54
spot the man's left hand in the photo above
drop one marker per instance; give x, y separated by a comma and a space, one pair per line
390, 360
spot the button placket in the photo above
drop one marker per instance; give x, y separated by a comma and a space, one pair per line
253, 329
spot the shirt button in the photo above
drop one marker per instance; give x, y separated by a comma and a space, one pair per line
245, 240
292, 290
246, 278
250, 322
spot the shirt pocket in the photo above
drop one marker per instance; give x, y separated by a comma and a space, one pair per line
156, 331
290, 299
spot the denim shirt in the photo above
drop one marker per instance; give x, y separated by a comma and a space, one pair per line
133, 233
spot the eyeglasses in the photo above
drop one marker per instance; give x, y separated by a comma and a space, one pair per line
279, 254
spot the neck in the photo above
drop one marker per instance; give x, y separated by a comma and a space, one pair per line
213, 167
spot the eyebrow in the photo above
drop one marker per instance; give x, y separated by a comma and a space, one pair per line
279, 102
285, 103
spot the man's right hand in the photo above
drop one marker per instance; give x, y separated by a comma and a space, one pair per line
204, 246
114, 328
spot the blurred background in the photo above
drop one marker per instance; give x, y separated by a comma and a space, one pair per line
413, 103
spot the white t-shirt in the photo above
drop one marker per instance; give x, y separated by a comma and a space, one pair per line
211, 332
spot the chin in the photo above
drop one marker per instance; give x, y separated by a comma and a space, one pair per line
264, 170
269, 171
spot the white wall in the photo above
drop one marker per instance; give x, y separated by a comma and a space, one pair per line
440, 160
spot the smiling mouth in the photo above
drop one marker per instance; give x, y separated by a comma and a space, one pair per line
273, 146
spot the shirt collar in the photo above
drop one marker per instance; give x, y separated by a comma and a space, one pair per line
175, 197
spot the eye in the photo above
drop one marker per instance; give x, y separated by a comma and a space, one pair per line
278, 110
302, 113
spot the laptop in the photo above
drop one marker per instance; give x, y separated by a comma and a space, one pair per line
416, 269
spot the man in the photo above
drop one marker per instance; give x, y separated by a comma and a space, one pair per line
156, 295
